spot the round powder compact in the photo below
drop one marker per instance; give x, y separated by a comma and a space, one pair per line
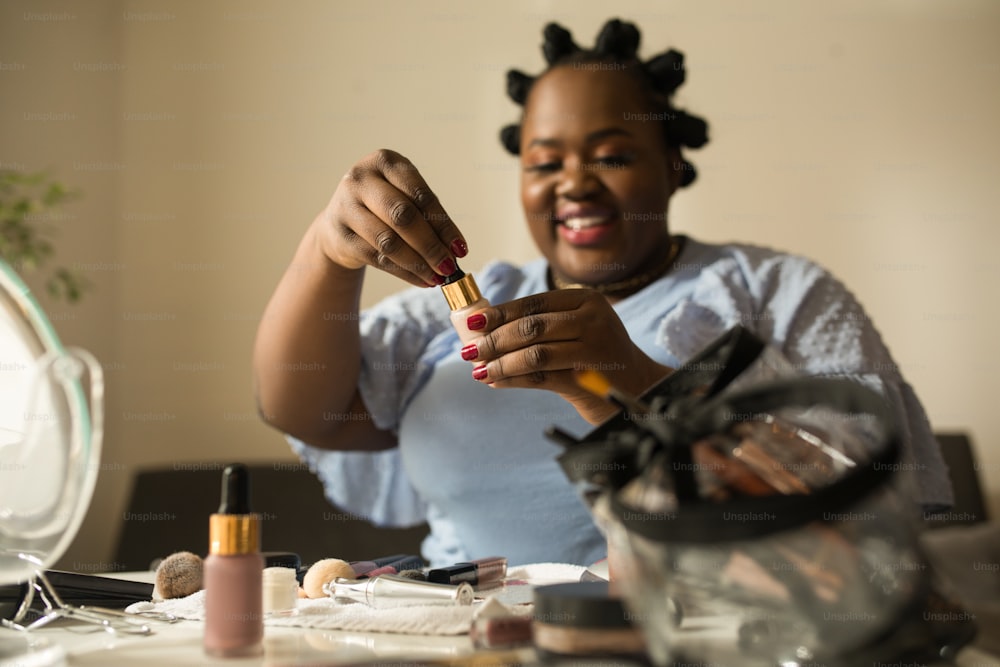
583, 619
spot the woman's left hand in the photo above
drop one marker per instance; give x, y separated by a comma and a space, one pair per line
541, 341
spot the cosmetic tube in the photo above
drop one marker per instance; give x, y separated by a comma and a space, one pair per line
390, 590
234, 619
378, 571
398, 563
479, 572
463, 297
363, 567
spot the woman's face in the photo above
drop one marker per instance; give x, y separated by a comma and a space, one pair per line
596, 174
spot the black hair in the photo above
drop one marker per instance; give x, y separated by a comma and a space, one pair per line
617, 43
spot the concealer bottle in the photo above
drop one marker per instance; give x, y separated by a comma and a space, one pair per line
234, 619
464, 298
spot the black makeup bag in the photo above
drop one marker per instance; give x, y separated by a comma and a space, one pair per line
773, 510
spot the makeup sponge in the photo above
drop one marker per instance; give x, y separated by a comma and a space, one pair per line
177, 576
323, 571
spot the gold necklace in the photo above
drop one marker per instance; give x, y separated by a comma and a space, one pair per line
630, 285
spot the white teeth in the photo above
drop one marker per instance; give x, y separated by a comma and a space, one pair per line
577, 224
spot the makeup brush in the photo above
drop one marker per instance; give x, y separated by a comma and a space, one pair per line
325, 571
177, 576
598, 384
561, 437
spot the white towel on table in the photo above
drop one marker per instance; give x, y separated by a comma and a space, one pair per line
419, 620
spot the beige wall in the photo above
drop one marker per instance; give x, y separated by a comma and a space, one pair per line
205, 136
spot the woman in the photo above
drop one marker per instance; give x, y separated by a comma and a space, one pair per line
385, 404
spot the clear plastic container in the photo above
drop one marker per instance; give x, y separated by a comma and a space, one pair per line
756, 518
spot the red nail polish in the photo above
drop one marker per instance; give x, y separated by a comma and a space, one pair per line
438, 280
470, 352
446, 268
476, 322
479, 372
463, 297
459, 248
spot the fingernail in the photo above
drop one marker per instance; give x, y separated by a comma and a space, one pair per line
479, 372
476, 322
470, 352
446, 268
438, 280
459, 248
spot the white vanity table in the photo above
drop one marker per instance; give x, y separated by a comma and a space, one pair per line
180, 644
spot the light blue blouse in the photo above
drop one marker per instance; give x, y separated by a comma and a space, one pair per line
473, 461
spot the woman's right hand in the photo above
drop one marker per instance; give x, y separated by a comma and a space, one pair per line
383, 214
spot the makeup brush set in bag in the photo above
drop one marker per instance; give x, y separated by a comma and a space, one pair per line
756, 517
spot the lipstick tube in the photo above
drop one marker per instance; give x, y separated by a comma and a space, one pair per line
476, 572
386, 565
390, 590
363, 567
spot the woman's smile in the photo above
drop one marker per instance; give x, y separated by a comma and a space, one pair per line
586, 225
595, 181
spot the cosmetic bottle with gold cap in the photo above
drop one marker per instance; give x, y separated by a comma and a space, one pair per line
464, 298
234, 619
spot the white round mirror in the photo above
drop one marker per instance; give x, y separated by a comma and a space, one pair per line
51, 407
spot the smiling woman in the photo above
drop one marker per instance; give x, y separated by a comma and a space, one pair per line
581, 185
605, 119
384, 405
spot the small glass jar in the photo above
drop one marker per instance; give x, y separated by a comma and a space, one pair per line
280, 591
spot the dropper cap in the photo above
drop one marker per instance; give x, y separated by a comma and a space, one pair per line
234, 529
460, 289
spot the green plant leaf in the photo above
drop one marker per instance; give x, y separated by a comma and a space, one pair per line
24, 236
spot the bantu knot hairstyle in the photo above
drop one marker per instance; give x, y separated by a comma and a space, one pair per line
617, 42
